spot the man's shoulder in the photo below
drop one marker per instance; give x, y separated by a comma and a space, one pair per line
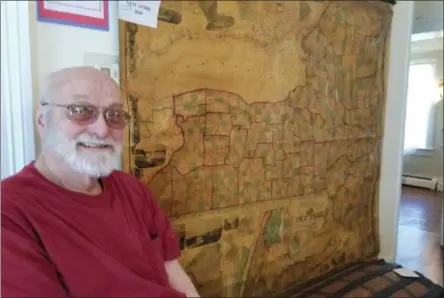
130, 182
124, 177
135, 188
20, 182
16, 189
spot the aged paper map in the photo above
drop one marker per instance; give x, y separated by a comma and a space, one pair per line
258, 127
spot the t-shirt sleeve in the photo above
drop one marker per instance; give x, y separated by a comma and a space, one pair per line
25, 266
168, 237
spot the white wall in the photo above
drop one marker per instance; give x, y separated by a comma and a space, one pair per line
57, 46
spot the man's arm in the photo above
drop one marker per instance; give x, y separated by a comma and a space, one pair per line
26, 268
179, 279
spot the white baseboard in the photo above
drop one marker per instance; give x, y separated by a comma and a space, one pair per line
429, 183
440, 186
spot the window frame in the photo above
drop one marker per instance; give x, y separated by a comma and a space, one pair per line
17, 109
430, 141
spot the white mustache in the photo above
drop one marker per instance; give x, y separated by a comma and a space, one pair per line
86, 139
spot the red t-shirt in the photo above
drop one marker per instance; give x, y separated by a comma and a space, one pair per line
56, 242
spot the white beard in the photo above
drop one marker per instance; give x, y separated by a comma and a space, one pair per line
90, 162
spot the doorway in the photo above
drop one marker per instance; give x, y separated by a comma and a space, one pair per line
421, 212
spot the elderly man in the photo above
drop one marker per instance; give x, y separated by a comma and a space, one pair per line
72, 225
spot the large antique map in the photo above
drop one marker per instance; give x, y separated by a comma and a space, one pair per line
258, 127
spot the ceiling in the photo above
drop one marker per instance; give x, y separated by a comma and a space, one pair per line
427, 27
428, 9
428, 16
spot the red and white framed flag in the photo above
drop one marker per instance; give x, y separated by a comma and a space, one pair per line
87, 14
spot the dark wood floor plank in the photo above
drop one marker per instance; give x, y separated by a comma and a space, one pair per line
418, 235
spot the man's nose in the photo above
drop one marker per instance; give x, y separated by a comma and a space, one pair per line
99, 127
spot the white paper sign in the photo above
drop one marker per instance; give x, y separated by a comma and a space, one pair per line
140, 12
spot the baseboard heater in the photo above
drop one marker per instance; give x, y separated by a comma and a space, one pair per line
423, 182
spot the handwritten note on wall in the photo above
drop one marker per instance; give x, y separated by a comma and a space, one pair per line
139, 12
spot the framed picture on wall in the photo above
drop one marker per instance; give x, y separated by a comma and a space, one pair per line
86, 14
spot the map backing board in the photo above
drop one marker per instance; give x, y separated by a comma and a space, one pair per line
258, 127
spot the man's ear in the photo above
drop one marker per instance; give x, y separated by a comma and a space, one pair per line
40, 121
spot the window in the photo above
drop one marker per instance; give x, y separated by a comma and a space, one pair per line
421, 98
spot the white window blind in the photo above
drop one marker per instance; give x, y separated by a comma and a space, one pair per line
17, 115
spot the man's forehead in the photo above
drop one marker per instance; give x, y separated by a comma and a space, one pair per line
88, 99
89, 87
89, 83
90, 91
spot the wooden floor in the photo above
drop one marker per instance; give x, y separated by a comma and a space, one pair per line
419, 233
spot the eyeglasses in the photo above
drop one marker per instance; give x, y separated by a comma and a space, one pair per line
83, 114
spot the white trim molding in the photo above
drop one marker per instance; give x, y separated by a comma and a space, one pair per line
17, 112
393, 140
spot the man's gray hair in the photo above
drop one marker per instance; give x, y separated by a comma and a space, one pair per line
45, 94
